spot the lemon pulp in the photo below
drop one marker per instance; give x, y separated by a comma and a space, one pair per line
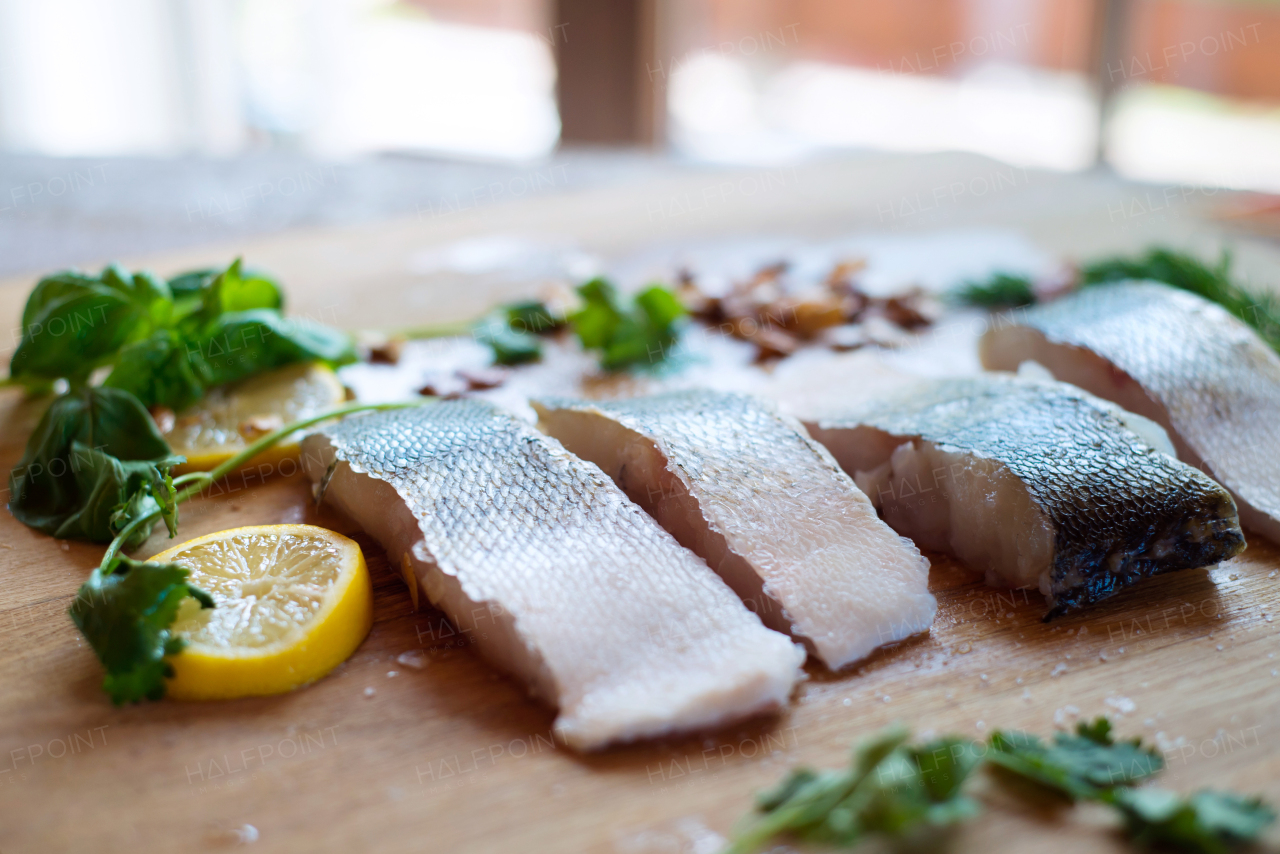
229, 417
293, 602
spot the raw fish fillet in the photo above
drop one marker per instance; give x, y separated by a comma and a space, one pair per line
1181, 361
1034, 483
552, 573
766, 506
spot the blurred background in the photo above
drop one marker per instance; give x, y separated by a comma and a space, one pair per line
216, 117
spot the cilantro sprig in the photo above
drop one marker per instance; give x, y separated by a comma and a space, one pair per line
890, 788
896, 789
628, 333
513, 331
126, 607
125, 612
1207, 822
640, 331
1082, 765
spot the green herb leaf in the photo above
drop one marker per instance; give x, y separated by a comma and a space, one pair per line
891, 788
532, 316
512, 331
640, 333
897, 789
152, 493
1208, 821
1083, 765
72, 323
125, 613
192, 283
509, 346
91, 452
236, 289
243, 343
1001, 290
158, 371
228, 328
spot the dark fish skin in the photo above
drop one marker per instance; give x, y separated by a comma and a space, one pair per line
1176, 358
1121, 510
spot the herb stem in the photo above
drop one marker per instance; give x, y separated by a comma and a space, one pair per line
438, 330
200, 479
121, 538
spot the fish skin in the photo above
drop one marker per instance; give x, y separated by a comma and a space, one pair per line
1109, 496
596, 607
1202, 374
767, 494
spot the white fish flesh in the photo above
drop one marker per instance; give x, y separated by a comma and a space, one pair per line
766, 506
553, 573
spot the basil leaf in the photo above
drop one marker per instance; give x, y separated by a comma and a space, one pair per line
243, 290
72, 322
92, 450
103, 486
158, 372
192, 283
243, 343
125, 614
202, 295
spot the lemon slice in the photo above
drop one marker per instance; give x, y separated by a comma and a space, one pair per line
293, 602
228, 418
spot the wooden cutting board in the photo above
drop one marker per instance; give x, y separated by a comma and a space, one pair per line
444, 754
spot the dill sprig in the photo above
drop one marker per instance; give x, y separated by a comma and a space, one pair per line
1002, 290
1260, 310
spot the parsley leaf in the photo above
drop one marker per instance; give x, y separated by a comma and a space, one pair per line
1082, 765
639, 332
1208, 821
125, 613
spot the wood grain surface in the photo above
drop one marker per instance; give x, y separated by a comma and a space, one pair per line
444, 754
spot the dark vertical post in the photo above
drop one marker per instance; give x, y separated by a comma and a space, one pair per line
610, 84
1110, 40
